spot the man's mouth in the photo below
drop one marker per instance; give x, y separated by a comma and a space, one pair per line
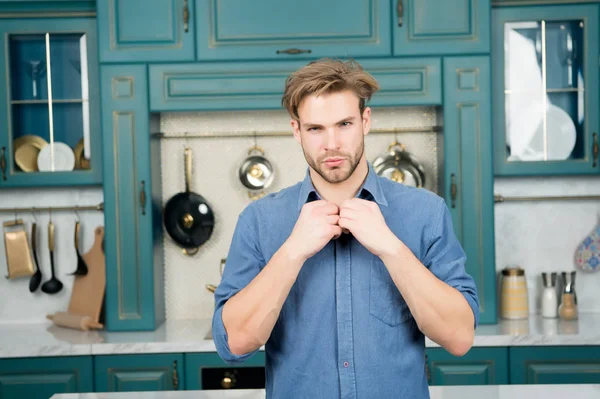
332, 162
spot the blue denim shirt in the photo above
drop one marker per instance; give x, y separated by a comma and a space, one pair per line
344, 330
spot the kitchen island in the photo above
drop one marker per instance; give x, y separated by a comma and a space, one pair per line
575, 391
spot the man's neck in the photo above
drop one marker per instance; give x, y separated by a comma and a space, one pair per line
338, 192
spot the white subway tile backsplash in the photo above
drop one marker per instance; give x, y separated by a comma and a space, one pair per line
215, 167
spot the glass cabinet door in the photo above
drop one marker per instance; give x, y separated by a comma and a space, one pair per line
52, 124
546, 90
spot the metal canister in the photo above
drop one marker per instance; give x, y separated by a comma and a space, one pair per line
514, 299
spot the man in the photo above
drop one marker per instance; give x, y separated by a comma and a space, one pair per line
343, 274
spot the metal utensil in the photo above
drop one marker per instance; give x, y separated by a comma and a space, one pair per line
53, 285
82, 268
36, 278
399, 165
188, 218
256, 172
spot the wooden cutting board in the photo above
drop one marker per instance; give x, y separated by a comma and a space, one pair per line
88, 291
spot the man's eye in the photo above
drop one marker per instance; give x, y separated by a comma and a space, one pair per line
346, 123
310, 129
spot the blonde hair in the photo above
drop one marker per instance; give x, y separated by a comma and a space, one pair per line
327, 76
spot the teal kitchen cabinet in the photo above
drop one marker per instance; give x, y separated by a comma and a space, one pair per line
468, 170
260, 85
479, 366
545, 90
132, 202
40, 378
273, 29
441, 27
50, 104
555, 365
146, 30
126, 373
208, 371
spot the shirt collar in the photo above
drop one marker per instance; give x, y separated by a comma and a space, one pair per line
371, 189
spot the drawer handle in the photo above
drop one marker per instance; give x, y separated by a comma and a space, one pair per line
453, 190
175, 376
427, 372
293, 51
186, 16
3, 163
400, 9
143, 197
595, 150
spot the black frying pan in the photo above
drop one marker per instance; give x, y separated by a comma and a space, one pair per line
187, 217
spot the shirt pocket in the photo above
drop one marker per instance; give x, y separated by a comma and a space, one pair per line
385, 301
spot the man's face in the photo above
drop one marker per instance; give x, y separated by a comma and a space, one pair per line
331, 132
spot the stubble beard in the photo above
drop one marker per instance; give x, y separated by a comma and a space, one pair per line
340, 173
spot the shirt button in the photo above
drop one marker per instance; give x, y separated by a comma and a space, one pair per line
346, 364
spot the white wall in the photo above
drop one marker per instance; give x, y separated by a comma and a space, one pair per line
542, 236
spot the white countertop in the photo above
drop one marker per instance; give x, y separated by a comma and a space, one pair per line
450, 392
186, 336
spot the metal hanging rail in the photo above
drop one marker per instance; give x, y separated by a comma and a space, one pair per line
99, 207
202, 135
501, 198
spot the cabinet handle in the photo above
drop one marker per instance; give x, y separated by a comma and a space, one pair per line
143, 197
427, 372
293, 51
595, 149
400, 9
228, 381
186, 16
3, 163
175, 376
453, 190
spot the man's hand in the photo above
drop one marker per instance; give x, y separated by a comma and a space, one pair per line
316, 226
364, 220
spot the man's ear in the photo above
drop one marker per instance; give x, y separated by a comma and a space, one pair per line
296, 127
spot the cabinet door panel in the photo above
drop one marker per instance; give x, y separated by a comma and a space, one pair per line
132, 203
441, 27
146, 30
555, 365
259, 85
468, 178
40, 378
545, 90
479, 366
130, 373
267, 29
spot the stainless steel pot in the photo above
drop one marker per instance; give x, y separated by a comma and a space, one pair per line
399, 165
256, 172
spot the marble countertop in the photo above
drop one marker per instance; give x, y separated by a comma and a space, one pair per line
187, 336
586, 391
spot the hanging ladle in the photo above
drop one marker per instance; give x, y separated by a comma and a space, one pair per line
36, 278
53, 285
82, 268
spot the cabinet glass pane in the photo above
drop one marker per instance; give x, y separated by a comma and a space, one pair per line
49, 102
544, 90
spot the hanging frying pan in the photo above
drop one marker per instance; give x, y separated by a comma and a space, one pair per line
187, 217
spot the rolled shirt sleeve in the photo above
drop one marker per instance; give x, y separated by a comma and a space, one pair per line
446, 259
244, 262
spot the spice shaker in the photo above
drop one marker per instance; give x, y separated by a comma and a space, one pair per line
568, 307
514, 298
549, 296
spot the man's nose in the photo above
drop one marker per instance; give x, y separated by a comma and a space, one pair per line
333, 141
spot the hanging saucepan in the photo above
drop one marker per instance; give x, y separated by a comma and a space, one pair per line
399, 165
256, 172
188, 218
